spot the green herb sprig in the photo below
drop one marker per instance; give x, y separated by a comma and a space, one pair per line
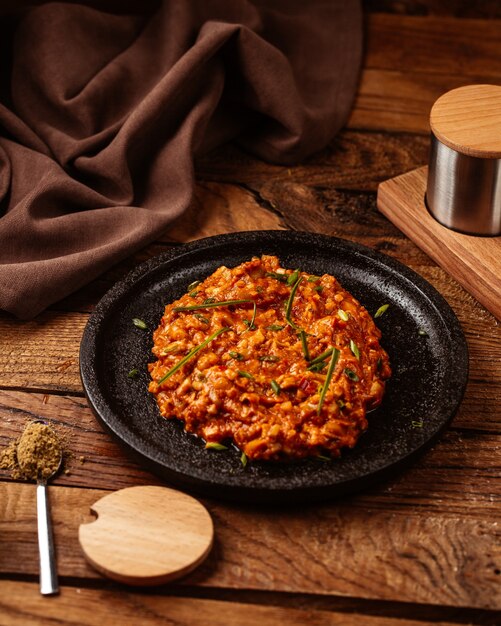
269, 358
382, 310
354, 349
321, 357
328, 377
292, 278
304, 344
280, 277
343, 315
213, 445
351, 375
210, 303
192, 353
288, 305
245, 374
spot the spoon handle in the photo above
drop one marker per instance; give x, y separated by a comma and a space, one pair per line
48, 575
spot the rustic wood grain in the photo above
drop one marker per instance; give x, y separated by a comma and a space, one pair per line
459, 475
435, 559
42, 353
400, 101
411, 61
431, 535
474, 261
219, 209
433, 45
353, 160
20, 606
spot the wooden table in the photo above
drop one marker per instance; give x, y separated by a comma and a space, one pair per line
425, 546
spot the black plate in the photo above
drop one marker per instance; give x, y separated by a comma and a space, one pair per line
429, 371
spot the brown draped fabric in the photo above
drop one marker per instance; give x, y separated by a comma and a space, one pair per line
104, 105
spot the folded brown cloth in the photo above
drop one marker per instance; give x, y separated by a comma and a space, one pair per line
103, 107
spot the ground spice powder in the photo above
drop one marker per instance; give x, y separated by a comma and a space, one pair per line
36, 454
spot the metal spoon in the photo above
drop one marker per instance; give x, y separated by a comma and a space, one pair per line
48, 574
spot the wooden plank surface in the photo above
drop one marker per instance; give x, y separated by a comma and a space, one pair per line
429, 537
21, 606
460, 475
412, 60
318, 550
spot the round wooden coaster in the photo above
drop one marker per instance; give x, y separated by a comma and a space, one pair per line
147, 535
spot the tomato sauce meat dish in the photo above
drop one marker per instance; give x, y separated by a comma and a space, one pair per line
281, 363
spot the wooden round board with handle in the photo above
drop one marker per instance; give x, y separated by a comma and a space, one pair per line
147, 535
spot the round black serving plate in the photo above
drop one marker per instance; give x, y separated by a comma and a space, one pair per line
427, 350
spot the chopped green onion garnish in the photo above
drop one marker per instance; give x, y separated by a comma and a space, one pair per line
209, 305
378, 364
213, 445
276, 387
245, 375
317, 367
354, 349
133, 373
422, 333
318, 288
314, 279
382, 310
417, 424
322, 357
288, 306
275, 327
328, 377
243, 459
351, 375
322, 457
209, 300
192, 353
281, 277
292, 279
341, 404
304, 344
236, 355
201, 318
269, 358
139, 323
193, 294
251, 324
193, 285
343, 315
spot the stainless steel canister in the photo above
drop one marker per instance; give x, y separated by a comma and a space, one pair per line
464, 180
464, 192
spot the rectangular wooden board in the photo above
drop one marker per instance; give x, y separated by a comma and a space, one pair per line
475, 262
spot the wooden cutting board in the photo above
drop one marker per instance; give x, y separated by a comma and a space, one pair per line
475, 262
147, 535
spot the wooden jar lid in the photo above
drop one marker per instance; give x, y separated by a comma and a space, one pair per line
468, 120
147, 535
